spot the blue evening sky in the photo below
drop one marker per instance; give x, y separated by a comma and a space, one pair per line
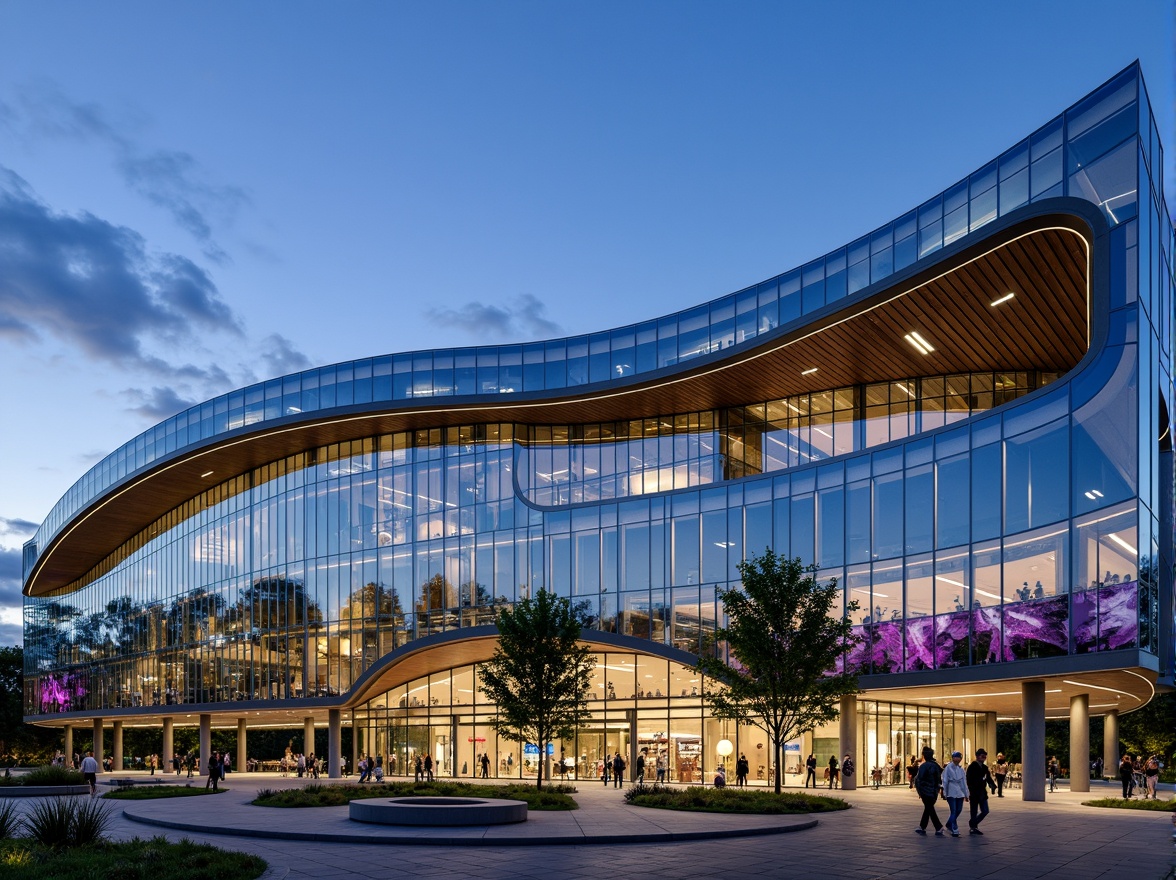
198, 195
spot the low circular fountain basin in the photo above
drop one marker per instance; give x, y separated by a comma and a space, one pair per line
438, 811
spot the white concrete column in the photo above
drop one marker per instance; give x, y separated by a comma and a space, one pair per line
1033, 740
242, 749
205, 743
307, 736
334, 743
1080, 742
354, 743
117, 748
848, 739
990, 745
169, 744
1111, 756
98, 744
68, 747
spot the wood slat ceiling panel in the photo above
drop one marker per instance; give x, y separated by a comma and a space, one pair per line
1043, 328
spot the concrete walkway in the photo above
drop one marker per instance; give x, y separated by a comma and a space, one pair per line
1059, 839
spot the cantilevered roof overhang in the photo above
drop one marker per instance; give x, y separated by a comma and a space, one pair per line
1044, 257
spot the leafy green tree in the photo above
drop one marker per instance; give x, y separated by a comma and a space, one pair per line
541, 673
20, 743
784, 649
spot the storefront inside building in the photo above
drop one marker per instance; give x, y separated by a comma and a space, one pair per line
639, 705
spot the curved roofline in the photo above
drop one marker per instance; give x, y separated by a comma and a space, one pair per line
106, 473
153, 490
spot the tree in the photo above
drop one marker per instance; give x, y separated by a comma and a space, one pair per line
541, 673
783, 650
20, 743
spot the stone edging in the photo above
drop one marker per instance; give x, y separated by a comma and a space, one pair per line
416, 839
42, 790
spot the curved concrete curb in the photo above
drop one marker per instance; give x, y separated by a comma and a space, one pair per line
437, 812
415, 838
42, 790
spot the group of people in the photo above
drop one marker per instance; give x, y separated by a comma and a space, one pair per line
1134, 772
957, 786
833, 772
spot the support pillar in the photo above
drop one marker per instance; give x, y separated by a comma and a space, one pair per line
1080, 742
117, 748
354, 743
308, 736
1111, 755
242, 749
205, 743
334, 743
1033, 740
847, 735
990, 745
169, 744
98, 745
68, 747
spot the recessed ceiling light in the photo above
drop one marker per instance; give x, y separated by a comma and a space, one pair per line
1003, 299
206, 474
921, 345
809, 371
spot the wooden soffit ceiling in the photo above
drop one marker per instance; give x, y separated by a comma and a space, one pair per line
1044, 327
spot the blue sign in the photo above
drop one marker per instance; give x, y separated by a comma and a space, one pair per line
530, 749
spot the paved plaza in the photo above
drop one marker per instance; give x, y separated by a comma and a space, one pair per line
1058, 839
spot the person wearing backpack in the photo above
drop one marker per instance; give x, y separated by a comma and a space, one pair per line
927, 783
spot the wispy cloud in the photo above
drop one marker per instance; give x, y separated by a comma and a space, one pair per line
525, 318
156, 403
94, 285
281, 357
20, 528
170, 179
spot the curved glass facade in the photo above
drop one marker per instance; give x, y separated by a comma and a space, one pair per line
978, 519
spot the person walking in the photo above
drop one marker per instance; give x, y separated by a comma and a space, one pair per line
418, 769
1126, 771
605, 768
954, 783
979, 782
485, 765
1151, 777
742, 769
226, 764
618, 768
1054, 770
639, 769
810, 771
834, 772
214, 772
90, 771
1000, 772
927, 785
660, 765
428, 768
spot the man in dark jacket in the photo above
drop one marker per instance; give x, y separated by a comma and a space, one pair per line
979, 783
618, 766
927, 781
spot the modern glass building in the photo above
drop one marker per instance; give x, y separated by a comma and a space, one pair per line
963, 416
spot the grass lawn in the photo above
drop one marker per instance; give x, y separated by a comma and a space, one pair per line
730, 800
556, 797
1133, 804
132, 860
151, 792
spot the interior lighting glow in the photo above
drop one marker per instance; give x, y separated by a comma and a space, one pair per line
1122, 543
901, 386
921, 345
1101, 688
808, 372
206, 474
1003, 299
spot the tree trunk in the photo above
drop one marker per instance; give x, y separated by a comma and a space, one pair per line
539, 765
778, 746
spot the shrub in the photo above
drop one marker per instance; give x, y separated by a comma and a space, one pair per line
50, 774
556, 797
1134, 804
10, 820
728, 800
63, 822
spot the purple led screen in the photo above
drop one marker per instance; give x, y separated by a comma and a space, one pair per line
1104, 619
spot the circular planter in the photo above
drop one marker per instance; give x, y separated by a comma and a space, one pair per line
42, 790
438, 811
